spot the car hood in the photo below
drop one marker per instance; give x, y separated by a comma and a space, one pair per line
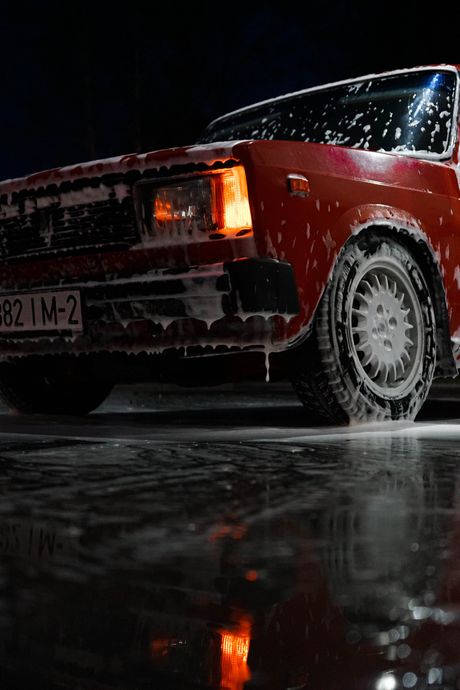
164, 159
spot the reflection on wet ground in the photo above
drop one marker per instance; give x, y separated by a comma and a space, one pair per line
311, 561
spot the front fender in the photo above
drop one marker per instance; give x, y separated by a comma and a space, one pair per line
326, 245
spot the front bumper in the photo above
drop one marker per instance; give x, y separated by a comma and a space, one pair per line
232, 304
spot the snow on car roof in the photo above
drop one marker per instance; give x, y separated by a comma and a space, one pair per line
354, 80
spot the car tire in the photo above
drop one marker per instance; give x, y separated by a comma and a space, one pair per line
372, 352
34, 388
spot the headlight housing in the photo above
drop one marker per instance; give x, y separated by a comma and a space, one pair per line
212, 205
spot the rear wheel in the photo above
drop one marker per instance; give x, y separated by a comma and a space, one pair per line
372, 352
57, 387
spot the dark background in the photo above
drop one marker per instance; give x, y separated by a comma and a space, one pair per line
84, 80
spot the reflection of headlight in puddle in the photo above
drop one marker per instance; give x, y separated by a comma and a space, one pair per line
386, 682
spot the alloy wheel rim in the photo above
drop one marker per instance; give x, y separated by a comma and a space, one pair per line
386, 328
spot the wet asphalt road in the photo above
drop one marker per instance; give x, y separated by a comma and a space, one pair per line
216, 540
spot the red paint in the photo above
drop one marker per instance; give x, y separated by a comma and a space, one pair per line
349, 190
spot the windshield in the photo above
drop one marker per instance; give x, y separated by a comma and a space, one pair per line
409, 112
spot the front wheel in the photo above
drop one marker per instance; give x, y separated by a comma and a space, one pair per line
372, 352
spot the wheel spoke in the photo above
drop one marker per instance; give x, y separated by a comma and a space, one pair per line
387, 371
385, 282
370, 289
373, 367
363, 298
368, 358
360, 313
377, 283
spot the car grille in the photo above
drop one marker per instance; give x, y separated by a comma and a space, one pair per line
104, 225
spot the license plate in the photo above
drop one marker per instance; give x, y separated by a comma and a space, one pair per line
41, 311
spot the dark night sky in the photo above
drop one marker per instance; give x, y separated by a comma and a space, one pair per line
83, 80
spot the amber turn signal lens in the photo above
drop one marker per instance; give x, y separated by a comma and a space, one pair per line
234, 656
232, 189
298, 185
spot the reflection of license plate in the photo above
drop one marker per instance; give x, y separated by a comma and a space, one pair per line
32, 540
41, 311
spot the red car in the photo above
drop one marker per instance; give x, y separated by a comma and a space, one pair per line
316, 233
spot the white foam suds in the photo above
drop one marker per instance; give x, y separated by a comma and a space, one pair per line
267, 365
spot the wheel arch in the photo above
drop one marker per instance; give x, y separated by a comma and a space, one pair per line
418, 245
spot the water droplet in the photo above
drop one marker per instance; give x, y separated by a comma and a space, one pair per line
409, 680
353, 636
403, 651
386, 682
434, 676
393, 635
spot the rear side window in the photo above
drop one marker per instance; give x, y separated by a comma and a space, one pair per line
410, 112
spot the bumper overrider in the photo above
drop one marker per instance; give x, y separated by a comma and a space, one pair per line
227, 305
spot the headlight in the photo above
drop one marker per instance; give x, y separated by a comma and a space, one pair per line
214, 203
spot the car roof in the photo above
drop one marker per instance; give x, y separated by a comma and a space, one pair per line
353, 80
